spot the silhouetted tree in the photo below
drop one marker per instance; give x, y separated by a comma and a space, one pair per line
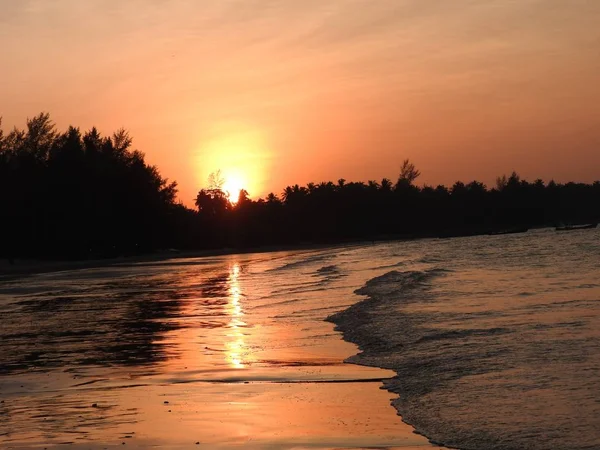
79, 194
70, 195
216, 181
408, 174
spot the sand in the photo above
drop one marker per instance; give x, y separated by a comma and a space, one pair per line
240, 357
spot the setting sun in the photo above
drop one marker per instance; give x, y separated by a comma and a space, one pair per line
241, 155
234, 182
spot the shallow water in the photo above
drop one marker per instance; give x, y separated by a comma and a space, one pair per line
495, 340
488, 342
228, 352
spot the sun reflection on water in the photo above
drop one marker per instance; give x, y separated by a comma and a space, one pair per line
236, 347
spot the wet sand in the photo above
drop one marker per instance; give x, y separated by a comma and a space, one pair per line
228, 352
314, 414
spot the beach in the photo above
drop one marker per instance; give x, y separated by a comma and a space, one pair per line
478, 343
218, 352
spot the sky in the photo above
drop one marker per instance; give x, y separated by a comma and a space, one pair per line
279, 92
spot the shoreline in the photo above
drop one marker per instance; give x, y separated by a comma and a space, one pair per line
333, 407
26, 267
348, 334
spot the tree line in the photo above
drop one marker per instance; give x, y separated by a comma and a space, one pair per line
81, 195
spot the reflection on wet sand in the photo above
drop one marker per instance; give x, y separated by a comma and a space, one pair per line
172, 354
84, 324
235, 345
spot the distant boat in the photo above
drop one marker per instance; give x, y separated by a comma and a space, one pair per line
509, 231
577, 227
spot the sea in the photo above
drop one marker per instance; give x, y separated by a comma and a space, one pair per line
485, 342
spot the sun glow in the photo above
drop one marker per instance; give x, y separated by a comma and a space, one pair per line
241, 154
234, 182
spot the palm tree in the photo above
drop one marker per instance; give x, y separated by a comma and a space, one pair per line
373, 185
386, 185
272, 199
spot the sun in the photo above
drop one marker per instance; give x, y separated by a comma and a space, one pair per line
234, 183
242, 155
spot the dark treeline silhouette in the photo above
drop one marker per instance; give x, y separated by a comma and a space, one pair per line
82, 195
79, 195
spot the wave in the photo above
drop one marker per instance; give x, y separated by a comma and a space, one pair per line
473, 373
328, 274
303, 262
459, 334
400, 283
363, 322
328, 269
424, 358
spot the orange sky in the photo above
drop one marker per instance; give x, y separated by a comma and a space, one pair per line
277, 92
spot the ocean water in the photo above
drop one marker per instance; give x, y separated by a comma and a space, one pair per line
495, 340
487, 342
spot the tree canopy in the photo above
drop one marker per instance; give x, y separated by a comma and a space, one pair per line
77, 194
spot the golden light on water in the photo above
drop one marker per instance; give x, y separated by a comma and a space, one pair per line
241, 154
236, 346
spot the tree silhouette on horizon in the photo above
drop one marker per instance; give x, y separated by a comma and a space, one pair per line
79, 194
